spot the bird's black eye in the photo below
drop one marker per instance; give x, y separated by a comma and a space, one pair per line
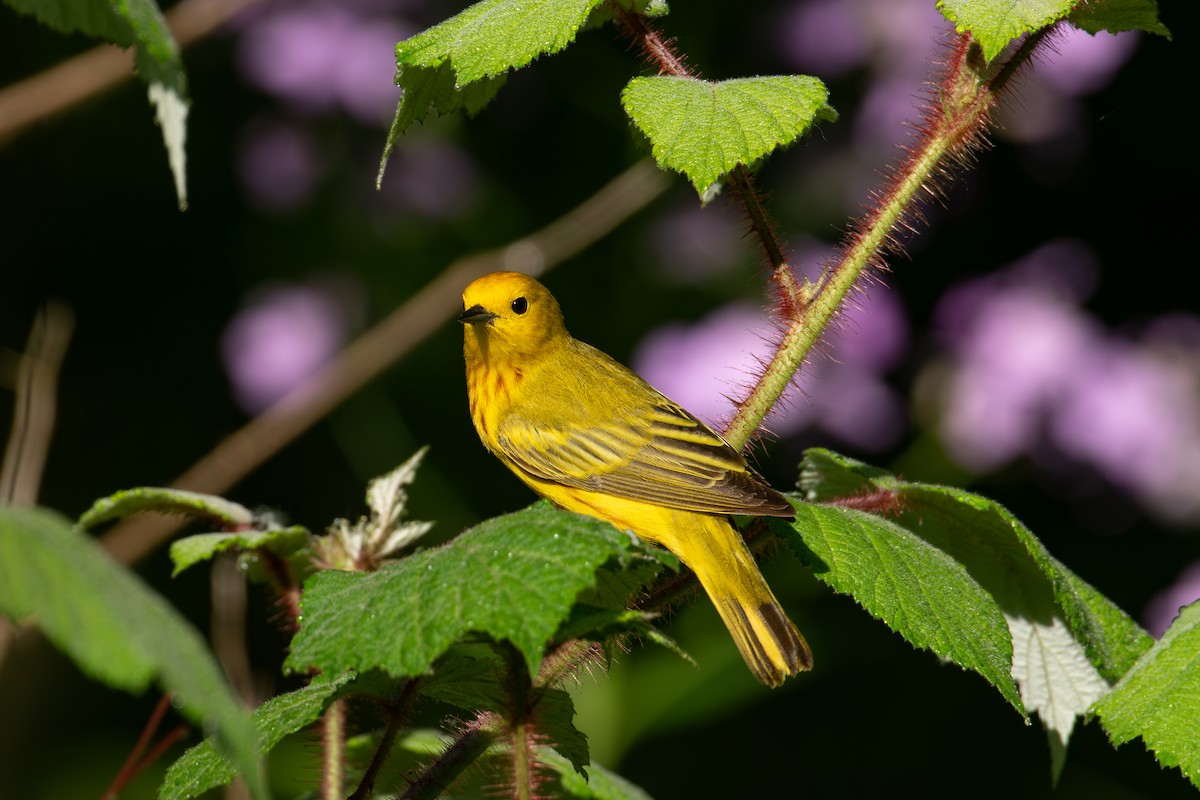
520, 305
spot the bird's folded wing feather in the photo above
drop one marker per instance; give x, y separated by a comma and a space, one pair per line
655, 452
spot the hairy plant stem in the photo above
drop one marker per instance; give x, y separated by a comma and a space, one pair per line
465, 751
662, 54
956, 118
334, 741
397, 712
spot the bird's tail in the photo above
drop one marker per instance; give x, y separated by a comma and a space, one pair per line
770, 644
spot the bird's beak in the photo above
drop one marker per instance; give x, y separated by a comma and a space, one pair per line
476, 315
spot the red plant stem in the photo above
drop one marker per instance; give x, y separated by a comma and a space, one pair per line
133, 765
953, 125
662, 54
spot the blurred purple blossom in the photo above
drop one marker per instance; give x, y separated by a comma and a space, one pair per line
279, 165
1164, 606
281, 337
699, 365
323, 57
693, 243
1030, 370
825, 37
431, 177
1084, 63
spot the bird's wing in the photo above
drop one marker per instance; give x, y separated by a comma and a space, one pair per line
655, 452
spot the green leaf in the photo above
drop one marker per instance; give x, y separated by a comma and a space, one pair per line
495, 36
1069, 641
995, 23
95, 18
1115, 16
205, 766
600, 783
705, 129
128, 502
191, 550
460, 64
917, 590
554, 718
1159, 698
113, 627
141, 24
512, 578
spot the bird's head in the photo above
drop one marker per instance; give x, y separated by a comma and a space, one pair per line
511, 313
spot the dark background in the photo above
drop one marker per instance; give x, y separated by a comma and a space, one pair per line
89, 218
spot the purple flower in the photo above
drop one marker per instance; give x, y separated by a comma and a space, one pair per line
431, 177
1029, 370
693, 243
279, 165
825, 37
319, 58
1164, 606
282, 336
700, 366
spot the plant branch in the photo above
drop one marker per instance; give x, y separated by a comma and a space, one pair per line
955, 120
90, 73
334, 746
387, 342
469, 747
397, 714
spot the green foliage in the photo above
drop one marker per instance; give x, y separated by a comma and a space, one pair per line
1115, 16
460, 64
513, 578
996, 23
705, 129
191, 550
599, 784
206, 765
128, 502
140, 24
113, 627
916, 589
1068, 642
1159, 698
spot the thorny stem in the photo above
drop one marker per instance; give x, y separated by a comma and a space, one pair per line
956, 118
465, 751
660, 52
397, 714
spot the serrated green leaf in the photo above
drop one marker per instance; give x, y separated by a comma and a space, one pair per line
1116, 16
191, 550
600, 783
554, 719
512, 578
917, 590
96, 19
995, 23
128, 502
460, 64
113, 627
205, 766
705, 129
1070, 642
1159, 698
495, 36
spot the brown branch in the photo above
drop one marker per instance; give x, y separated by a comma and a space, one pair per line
387, 342
64, 85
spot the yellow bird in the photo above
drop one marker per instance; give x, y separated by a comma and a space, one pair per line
591, 436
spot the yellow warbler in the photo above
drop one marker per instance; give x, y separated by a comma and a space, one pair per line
591, 436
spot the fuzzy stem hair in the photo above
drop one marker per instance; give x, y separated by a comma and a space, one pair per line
953, 127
